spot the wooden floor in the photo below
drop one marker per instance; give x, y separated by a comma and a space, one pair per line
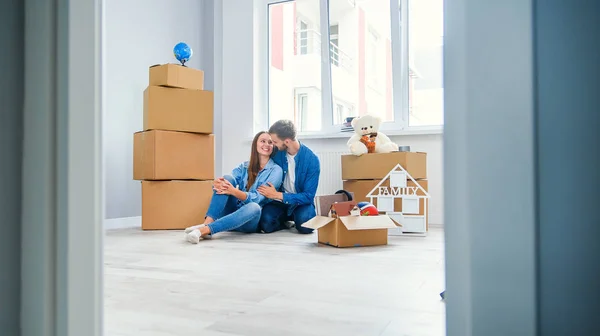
281, 284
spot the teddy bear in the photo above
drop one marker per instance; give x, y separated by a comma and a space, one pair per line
367, 138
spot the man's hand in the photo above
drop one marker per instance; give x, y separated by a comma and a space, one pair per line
270, 192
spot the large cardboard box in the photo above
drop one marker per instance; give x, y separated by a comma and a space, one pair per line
174, 205
170, 155
343, 229
376, 166
178, 110
176, 76
361, 188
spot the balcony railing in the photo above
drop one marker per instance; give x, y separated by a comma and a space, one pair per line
309, 42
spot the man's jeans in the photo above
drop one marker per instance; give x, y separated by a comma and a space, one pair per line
274, 215
229, 216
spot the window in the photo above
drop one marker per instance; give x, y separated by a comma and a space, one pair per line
426, 87
334, 45
366, 39
302, 36
342, 111
295, 64
339, 113
307, 101
372, 61
333, 59
302, 100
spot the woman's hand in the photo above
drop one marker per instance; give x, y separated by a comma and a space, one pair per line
217, 183
225, 188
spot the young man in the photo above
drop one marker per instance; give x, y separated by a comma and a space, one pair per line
301, 170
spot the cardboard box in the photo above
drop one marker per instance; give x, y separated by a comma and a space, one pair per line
170, 155
174, 205
376, 166
341, 229
178, 110
176, 76
361, 188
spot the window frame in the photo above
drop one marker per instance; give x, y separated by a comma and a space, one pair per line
335, 61
299, 22
301, 100
400, 78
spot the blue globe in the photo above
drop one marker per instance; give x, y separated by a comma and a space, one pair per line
182, 52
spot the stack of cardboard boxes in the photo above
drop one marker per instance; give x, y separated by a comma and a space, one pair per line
174, 155
361, 174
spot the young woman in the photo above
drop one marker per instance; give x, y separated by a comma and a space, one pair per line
236, 204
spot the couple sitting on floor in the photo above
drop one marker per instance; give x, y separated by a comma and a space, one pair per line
276, 186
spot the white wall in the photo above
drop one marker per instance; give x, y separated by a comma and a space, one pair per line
237, 82
138, 33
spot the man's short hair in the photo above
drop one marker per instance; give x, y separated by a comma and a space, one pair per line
284, 129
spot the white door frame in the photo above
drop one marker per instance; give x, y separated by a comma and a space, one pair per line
62, 170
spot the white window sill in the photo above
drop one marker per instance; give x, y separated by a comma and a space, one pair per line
436, 130
336, 135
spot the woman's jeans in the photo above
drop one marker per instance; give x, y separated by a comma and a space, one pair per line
230, 215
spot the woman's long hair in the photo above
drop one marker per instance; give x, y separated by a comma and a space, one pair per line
254, 164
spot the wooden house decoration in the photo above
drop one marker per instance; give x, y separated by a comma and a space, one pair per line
409, 217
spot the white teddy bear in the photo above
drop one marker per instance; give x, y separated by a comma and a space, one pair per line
367, 138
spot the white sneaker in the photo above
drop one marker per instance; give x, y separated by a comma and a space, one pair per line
193, 237
192, 228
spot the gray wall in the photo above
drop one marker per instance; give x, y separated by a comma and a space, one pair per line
138, 33
568, 135
12, 15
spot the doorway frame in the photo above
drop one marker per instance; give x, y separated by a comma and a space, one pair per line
63, 201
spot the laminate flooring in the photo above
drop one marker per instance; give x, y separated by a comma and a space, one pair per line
280, 284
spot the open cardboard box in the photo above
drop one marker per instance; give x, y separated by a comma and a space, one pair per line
344, 228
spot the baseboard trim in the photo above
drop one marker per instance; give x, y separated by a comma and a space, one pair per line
123, 223
436, 219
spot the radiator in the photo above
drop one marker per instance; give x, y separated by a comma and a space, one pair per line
330, 180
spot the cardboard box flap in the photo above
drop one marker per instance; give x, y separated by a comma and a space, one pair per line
368, 222
318, 222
